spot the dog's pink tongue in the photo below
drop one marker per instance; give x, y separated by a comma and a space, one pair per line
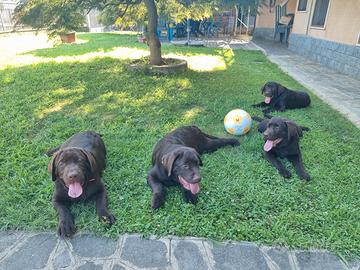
195, 188
267, 100
268, 145
75, 190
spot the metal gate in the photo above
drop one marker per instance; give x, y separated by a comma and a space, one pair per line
6, 21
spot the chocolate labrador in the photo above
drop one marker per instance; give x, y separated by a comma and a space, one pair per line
282, 138
176, 161
76, 167
279, 98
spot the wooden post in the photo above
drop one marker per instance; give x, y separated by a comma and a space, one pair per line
236, 18
240, 19
248, 21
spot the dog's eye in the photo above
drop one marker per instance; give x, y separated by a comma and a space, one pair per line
186, 166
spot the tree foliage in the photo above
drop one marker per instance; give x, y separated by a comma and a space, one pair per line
68, 15
57, 16
253, 4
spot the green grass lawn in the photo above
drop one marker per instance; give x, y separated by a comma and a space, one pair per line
242, 196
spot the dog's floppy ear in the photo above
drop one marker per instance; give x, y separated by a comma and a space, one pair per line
91, 160
294, 131
263, 89
52, 165
168, 159
279, 89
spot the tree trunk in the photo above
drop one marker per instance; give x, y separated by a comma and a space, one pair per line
153, 40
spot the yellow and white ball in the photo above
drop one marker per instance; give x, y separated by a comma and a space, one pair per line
237, 122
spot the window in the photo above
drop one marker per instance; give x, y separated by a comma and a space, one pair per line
302, 5
320, 11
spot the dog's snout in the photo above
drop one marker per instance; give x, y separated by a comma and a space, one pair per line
266, 133
196, 178
73, 175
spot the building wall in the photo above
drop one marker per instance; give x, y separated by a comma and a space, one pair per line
266, 17
342, 24
265, 21
291, 6
334, 45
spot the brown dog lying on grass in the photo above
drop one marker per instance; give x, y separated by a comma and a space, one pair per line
280, 98
282, 138
176, 161
76, 167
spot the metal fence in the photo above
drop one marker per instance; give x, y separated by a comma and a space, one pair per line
6, 20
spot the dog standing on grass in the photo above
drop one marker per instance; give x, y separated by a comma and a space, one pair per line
76, 168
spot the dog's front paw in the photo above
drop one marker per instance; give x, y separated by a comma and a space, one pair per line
158, 200
305, 176
285, 173
66, 228
234, 142
189, 197
108, 218
193, 199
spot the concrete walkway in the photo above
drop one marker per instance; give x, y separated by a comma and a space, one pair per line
20, 250
338, 90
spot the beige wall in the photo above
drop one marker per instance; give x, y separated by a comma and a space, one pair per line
291, 6
342, 23
266, 17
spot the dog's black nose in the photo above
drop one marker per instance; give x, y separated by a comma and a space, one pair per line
73, 175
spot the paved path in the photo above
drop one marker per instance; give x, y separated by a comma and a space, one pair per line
25, 251
338, 90
226, 43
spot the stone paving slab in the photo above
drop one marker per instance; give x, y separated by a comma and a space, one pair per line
225, 43
340, 91
28, 251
